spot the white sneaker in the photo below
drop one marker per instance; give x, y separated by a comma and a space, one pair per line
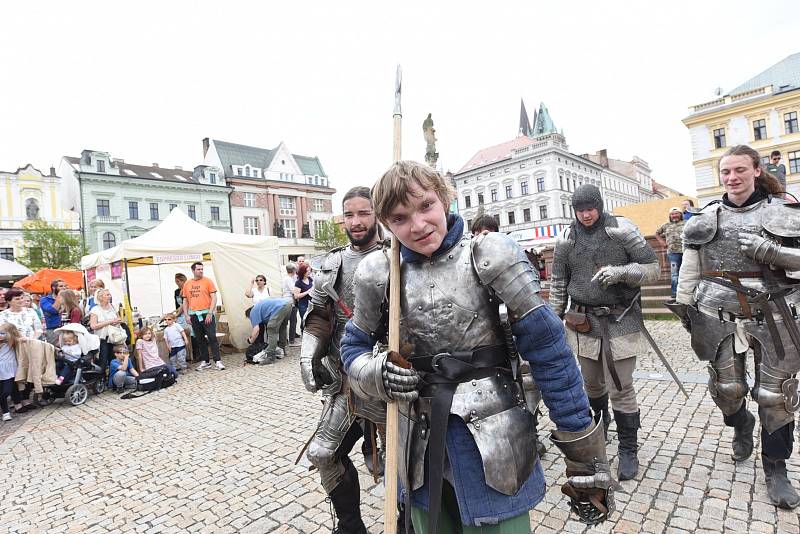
6, 416
279, 353
220, 366
203, 366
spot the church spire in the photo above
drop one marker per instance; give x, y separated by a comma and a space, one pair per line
524, 123
543, 124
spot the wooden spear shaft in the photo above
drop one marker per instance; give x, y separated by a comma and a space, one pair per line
392, 422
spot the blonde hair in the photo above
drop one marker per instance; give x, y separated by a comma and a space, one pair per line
395, 186
12, 334
169, 316
145, 329
69, 334
70, 300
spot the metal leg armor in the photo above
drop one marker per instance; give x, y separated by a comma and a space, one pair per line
776, 394
726, 382
334, 423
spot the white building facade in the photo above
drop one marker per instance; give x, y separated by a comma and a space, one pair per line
527, 183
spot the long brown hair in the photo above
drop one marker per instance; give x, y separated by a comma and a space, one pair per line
12, 334
69, 298
766, 180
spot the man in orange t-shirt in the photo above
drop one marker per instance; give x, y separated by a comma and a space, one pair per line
199, 301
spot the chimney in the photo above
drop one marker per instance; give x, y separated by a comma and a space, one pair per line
155, 165
52, 171
206, 145
603, 155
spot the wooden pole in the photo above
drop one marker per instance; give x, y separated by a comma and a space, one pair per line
392, 419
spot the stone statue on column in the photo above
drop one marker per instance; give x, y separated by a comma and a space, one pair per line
431, 156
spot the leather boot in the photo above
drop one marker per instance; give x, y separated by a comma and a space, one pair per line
346, 500
599, 407
779, 488
627, 430
743, 423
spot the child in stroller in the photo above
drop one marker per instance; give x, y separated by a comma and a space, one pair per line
77, 370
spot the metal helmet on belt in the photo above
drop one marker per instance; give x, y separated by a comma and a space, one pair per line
587, 197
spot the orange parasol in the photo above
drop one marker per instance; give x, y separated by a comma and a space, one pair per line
39, 282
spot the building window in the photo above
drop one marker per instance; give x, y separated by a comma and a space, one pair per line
215, 213
101, 166
318, 227
543, 212
7, 254
790, 122
496, 218
212, 178
523, 188
109, 240
249, 200
494, 195
247, 171
287, 203
759, 129
319, 204
563, 209
719, 138
153, 211
480, 199
289, 227
251, 226
467, 201
172, 207
511, 217
103, 207
794, 161
192, 212
133, 210
469, 223
526, 215
508, 191
238, 171
540, 184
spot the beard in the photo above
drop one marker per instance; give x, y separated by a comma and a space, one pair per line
369, 235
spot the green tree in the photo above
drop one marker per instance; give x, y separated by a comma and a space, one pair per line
48, 246
330, 235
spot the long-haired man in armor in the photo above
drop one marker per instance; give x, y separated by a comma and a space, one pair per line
739, 290
468, 455
599, 264
341, 423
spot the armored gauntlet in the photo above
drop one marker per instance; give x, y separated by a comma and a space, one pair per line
590, 485
374, 376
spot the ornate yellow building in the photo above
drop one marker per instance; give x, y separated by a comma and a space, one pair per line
763, 112
27, 194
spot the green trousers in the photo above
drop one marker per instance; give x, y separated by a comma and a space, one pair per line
450, 519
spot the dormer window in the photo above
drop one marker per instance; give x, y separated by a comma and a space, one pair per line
101, 165
238, 171
212, 178
247, 170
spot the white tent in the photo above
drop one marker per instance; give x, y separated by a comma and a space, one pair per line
11, 270
234, 259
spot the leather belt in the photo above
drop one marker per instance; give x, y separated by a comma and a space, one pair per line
441, 374
735, 276
602, 313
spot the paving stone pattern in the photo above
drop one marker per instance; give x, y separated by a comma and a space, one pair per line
216, 452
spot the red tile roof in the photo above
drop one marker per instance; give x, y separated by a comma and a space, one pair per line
496, 153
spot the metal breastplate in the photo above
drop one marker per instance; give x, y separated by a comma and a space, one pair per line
445, 309
722, 253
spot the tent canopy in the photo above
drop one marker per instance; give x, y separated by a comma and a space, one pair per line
235, 258
11, 270
39, 282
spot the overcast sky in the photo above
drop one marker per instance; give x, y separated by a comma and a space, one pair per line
146, 81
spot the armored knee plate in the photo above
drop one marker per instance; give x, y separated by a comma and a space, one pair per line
777, 397
333, 425
726, 382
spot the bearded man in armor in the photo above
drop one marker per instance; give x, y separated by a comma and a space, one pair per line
469, 457
342, 422
599, 264
740, 290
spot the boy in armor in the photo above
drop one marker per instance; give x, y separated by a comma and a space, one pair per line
321, 369
469, 458
599, 263
738, 289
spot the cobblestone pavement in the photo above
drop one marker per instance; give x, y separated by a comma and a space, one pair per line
216, 453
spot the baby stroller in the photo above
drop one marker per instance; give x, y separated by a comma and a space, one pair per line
84, 374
